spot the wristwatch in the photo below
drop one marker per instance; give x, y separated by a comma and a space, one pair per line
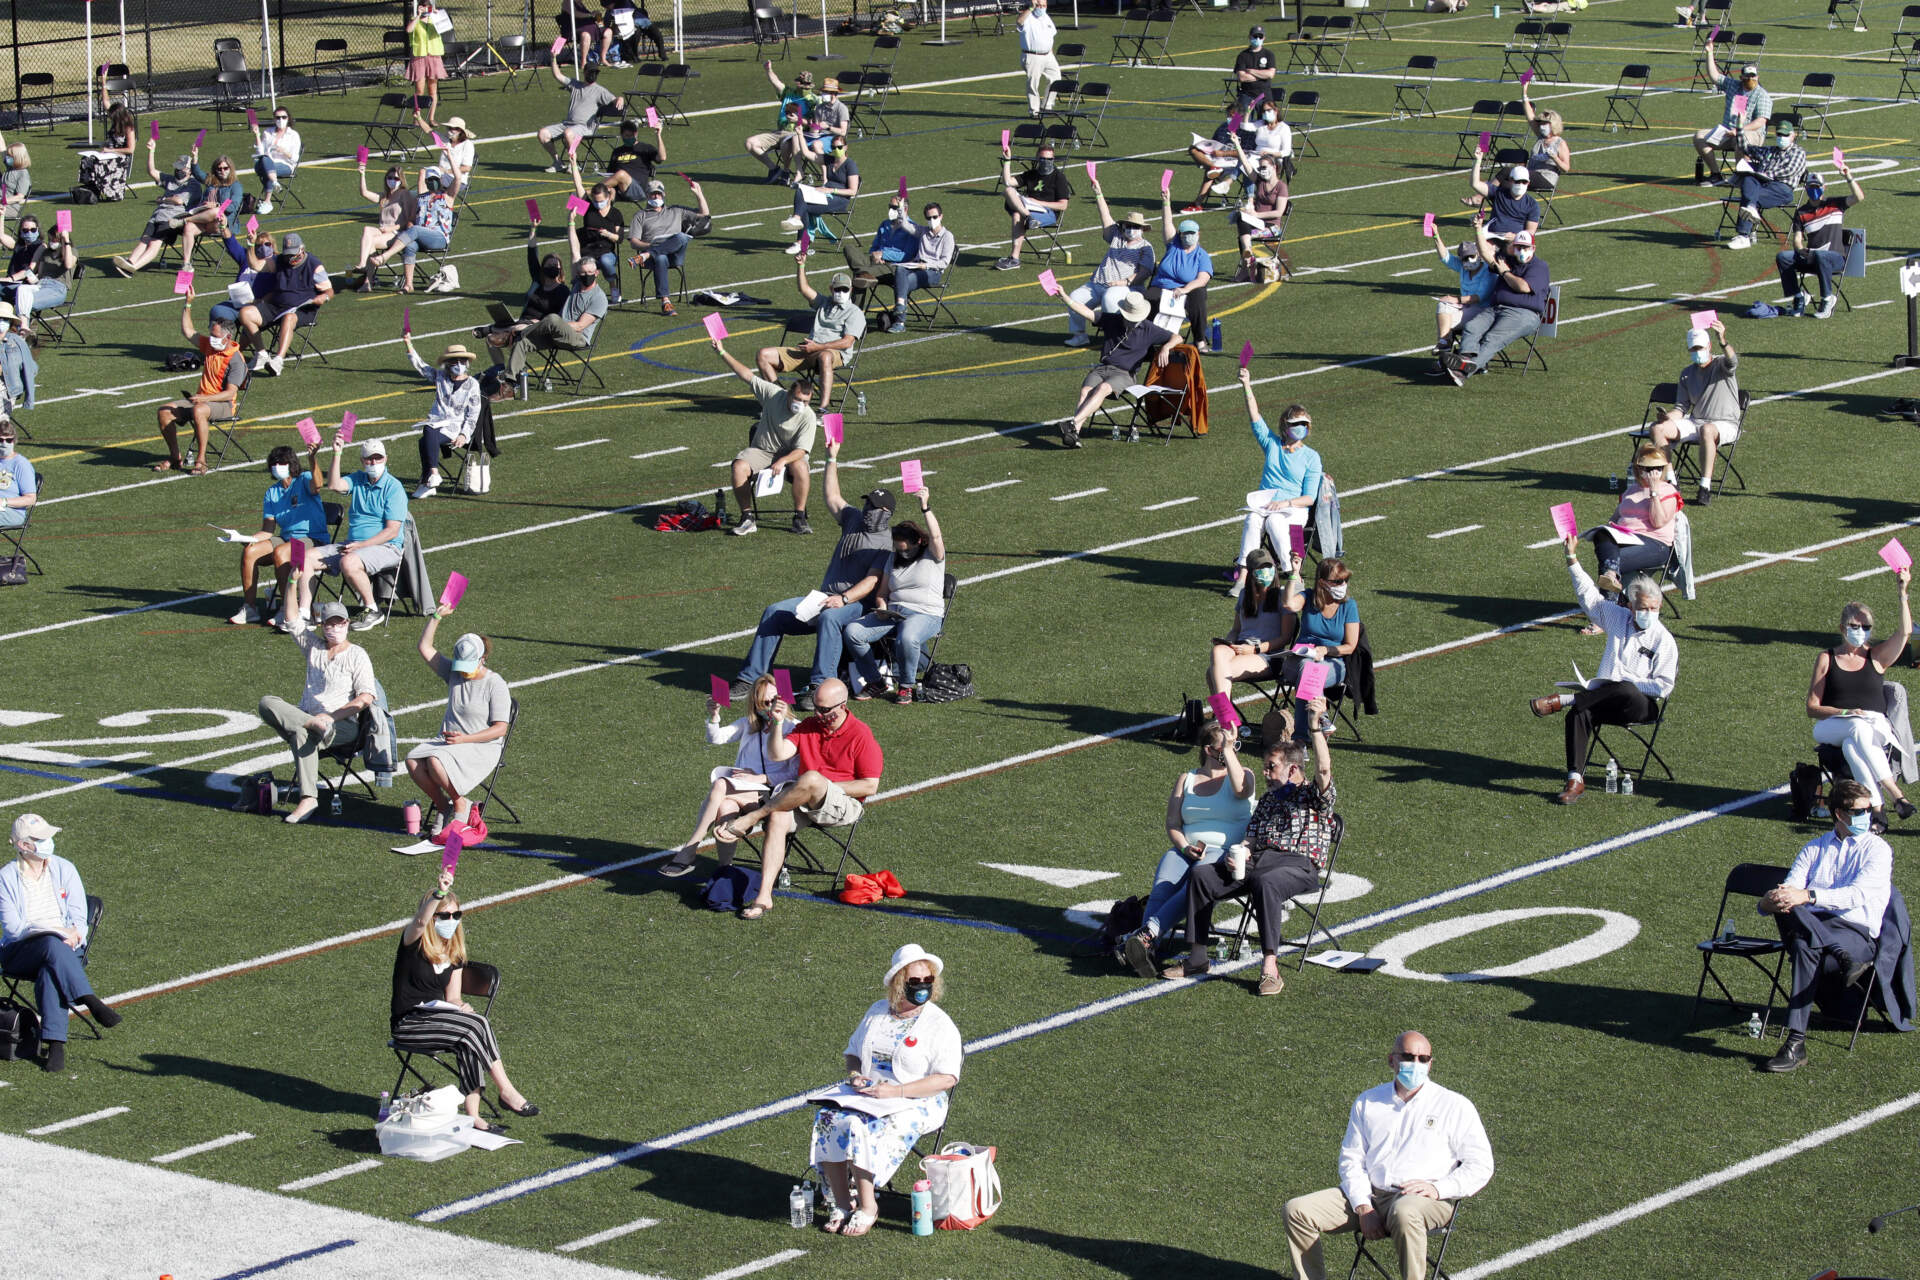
1812, 897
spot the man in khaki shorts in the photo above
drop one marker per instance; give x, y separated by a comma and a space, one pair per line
837, 328
781, 441
215, 400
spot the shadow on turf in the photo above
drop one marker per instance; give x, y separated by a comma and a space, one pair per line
1654, 1018
698, 1179
268, 1086
1862, 513
1491, 611
1137, 1258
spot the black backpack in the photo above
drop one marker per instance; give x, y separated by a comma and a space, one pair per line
1186, 726
1803, 791
19, 1031
945, 682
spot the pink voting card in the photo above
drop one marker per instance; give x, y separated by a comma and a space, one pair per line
453, 842
910, 475
533, 211
1739, 104
183, 281
1563, 522
63, 221
253, 226
348, 421
309, 434
1896, 556
806, 242
721, 694
1313, 680
360, 156
1839, 158
1093, 172
835, 425
1702, 319
1166, 181
783, 684
1297, 539
1486, 143
451, 594
223, 207
1224, 711
406, 321
438, 141
559, 43
253, 118
199, 139
153, 131
573, 144
1246, 354
1426, 225
1526, 77
297, 552
1713, 34
576, 205
1006, 139
1049, 284
716, 327
653, 118
903, 189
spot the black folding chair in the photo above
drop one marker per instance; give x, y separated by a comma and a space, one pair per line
867, 110
477, 982
1623, 104
1854, 241
345, 758
1415, 97
571, 374
1436, 1265
217, 448
18, 988
1908, 70
804, 860
770, 27
1813, 102
16, 535
306, 320
929, 302
1487, 115
56, 323
487, 788
36, 92
1644, 732
388, 135
1714, 13
1313, 917
1686, 465
1307, 101
1747, 880
667, 90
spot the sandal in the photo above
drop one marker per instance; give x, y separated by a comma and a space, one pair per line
725, 834
835, 1220
859, 1222
198, 469
169, 465
759, 911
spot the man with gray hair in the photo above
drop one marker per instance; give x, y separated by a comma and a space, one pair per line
1637, 667
339, 685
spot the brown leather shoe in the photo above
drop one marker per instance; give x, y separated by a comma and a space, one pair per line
1609, 582
1271, 984
1574, 790
1184, 969
1549, 705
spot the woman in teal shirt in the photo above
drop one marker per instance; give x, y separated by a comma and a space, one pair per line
1329, 630
291, 509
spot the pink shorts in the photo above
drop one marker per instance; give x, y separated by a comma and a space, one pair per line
428, 67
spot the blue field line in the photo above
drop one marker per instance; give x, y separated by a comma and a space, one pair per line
1487, 884
40, 773
287, 1261
969, 922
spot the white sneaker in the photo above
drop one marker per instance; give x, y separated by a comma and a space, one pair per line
276, 363
744, 528
1827, 304
265, 206
248, 615
1078, 340
791, 224
1740, 242
260, 359
793, 250
426, 490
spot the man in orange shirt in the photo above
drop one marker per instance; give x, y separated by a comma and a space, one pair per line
218, 397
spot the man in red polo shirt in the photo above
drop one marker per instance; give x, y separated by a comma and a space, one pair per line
840, 766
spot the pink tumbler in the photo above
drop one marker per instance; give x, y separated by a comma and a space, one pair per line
411, 811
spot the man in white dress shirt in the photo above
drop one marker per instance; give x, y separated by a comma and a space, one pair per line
1638, 666
1036, 55
1829, 909
1411, 1147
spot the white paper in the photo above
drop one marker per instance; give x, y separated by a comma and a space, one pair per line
1621, 536
810, 606
1718, 134
813, 195
418, 847
769, 482
485, 1139
844, 1095
1336, 959
623, 22
441, 22
231, 535
240, 295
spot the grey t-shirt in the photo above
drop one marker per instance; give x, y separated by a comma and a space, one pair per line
473, 705
584, 102
834, 321
860, 551
590, 302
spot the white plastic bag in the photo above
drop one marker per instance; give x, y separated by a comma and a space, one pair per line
423, 1126
965, 1185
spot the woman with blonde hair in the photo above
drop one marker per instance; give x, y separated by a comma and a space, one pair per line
17, 184
1549, 158
1330, 632
902, 1060
1847, 700
428, 1014
753, 774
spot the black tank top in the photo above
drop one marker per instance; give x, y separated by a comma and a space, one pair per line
1862, 690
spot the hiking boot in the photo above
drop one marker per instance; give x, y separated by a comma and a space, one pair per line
1792, 1056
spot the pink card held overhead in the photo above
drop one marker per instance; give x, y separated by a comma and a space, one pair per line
806, 242
559, 43
454, 842
716, 327
1526, 77
253, 226
910, 475
1702, 319
183, 280
1739, 104
297, 552
1166, 181
573, 144
309, 434
721, 695
1563, 522
450, 595
1093, 172
533, 211
1049, 283
1839, 158
653, 118
253, 119
1246, 354
1486, 143
1006, 139
1224, 711
1426, 225
406, 321
199, 139
1896, 555
835, 426
348, 421
153, 131
903, 189
439, 141
360, 156
783, 684
63, 221
576, 205
224, 204
1313, 680
1297, 540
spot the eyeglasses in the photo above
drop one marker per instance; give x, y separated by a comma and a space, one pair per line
827, 711
1865, 808
448, 915
1649, 471
1415, 1057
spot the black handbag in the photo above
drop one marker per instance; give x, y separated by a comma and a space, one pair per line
13, 571
19, 1031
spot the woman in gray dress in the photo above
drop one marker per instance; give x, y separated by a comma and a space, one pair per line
470, 741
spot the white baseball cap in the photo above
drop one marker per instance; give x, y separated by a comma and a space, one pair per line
1520, 175
467, 652
31, 826
1697, 338
372, 449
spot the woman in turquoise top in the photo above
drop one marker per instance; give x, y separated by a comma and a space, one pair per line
1208, 810
291, 509
1329, 630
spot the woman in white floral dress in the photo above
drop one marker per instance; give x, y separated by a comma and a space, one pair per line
901, 1060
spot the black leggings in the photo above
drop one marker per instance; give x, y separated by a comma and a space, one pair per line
1614, 702
1196, 310
1276, 878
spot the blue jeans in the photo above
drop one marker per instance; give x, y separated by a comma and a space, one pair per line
814, 212
1489, 332
778, 622
59, 981
413, 239
910, 636
664, 255
271, 169
905, 281
1823, 263
1622, 561
1290, 674
225, 312
1761, 194
28, 298
1167, 900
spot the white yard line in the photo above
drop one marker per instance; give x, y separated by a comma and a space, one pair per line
1082, 493
1771, 555
1865, 573
331, 1175
1448, 533
213, 1145
59, 1126
1355, 524
601, 1237
1635, 288
1175, 502
562, 448
758, 1264
1884, 302
658, 453
1412, 271
1544, 542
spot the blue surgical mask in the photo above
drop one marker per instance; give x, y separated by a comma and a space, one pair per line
1701, 355
30, 236
1297, 434
1411, 1075
6, 448
458, 368
919, 990
1188, 239
1643, 618
1856, 636
281, 472
43, 848
446, 928
1815, 193
1858, 823
393, 184
1255, 43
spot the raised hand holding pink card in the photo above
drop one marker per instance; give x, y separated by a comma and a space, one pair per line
406, 321
835, 425
783, 684
199, 139
1426, 226
1297, 540
1246, 354
1224, 711
806, 242
451, 594
910, 475
653, 118
721, 694
297, 552
1093, 172
1313, 680
716, 327
253, 226
559, 43
309, 434
1896, 555
348, 421
183, 280
153, 131
903, 189
1563, 522
438, 141
533, 211
1486, 143
1702, 319
1049, 284
1526, 77
253, 119
361, 156
1839, 159
1166, 181
1006, 139
573, 144
63, 221
452, 841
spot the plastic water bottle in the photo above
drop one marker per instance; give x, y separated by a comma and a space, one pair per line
1613, 776
1613, 482
860, 403
1727, 934
1213, 337
921, 1200
1626, 783
386, 1106
720, 504
191, 452
1754, 1028
800, 1207
333, 802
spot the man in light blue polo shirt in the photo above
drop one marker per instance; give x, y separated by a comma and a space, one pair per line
376, 527
19, 489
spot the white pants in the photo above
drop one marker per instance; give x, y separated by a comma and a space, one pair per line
1276, 525
1042, 70
1863, 741
1107, 297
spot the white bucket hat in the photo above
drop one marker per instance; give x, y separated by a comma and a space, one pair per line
907, 955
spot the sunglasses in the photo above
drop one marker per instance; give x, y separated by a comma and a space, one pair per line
448, 915
1415, 1057
1865, 808
827, 711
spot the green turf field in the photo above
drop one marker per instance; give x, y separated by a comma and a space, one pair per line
1153, 1130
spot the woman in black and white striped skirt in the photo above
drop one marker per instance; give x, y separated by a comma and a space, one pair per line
428, 1013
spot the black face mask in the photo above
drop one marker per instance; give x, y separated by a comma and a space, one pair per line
550, 270
919, 990
1043, 166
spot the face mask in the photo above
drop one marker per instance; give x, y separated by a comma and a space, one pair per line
1255, 43
43, 848
1643, 618
282, 472
1134, 233
1543, 128
458, 368
1188, 239
1856, 636
934, 220
656, 202
1043, 165
1786, 139
587, 281
1815, 194
1516, 189
31, 236
841, 295
893, 215
393, 184
1471, 263
1857, 823
1297, 434
445, 928
1411, 1075
6, 448
1263, 577
1271, 118
907, 556
603, 205
919, 990
217, 343
551, 271
1523, 256
281, 122
376, 471
1337, 590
